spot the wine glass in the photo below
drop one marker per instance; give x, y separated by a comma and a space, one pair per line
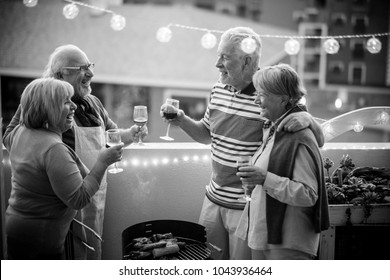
170, 113
113, 138
241, 162
140, 118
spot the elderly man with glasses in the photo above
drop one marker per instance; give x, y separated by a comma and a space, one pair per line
86, 137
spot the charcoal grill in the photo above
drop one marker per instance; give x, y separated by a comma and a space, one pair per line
194, 235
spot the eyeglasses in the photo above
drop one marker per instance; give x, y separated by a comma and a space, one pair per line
87, 67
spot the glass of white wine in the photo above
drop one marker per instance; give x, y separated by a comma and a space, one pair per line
113, 138
170, 113
140, 118
241, 162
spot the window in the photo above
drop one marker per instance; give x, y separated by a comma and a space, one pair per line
359, 23
299, 16
336, 67
357, 73
339, 19
204, 5
241, 10
359, 2
357, 47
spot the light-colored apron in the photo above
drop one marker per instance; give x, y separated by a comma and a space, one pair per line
88, 142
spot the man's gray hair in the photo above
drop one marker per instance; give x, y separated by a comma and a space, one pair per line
58, 59
237, 34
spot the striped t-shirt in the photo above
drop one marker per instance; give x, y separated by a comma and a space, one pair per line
235, 126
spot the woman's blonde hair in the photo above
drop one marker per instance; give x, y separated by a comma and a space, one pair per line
280, 80
42, 101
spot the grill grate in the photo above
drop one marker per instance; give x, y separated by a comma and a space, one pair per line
194, 252
194, 235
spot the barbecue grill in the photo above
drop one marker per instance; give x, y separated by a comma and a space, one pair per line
194, 235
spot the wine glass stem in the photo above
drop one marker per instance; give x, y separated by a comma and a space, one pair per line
139, 139
168, 127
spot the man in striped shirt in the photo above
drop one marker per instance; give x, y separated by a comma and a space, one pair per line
233, 125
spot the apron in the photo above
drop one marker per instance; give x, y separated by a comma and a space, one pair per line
88, 142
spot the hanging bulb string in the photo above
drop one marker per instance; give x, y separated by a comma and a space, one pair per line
195, 28
372, 35
89, 6
328, 36
286, 36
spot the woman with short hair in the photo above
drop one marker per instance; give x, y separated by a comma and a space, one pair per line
49, 182
288, 207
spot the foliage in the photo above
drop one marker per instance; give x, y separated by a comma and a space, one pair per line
361, 186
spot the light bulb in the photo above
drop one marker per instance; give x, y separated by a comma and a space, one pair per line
292, 46
338, 103
374, 45
383, 118
328, 129
331, 46
70, 11
118, 22
248, 45
358, 127
30, 3
164, 34
208, 40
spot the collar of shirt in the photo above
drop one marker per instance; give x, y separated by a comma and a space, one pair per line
248, 90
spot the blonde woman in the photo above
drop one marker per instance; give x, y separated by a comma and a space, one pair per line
288, 207
49, 182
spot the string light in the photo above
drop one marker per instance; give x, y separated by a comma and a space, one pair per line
383, 118
118, 22
292, 46
147, 162
30, 3
328, 129
358, 127
248, 45
70, 11
356, 120
164, 34
338, 103
209, 40
331, 46
355, 146
374, 45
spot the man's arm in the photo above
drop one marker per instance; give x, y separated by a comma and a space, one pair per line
301, 120
133, 133
195, 129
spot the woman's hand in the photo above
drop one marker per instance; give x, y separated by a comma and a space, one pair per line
252, 175
111, 154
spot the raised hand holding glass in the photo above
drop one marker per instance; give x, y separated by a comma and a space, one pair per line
140, 118
170, 113
113, 138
